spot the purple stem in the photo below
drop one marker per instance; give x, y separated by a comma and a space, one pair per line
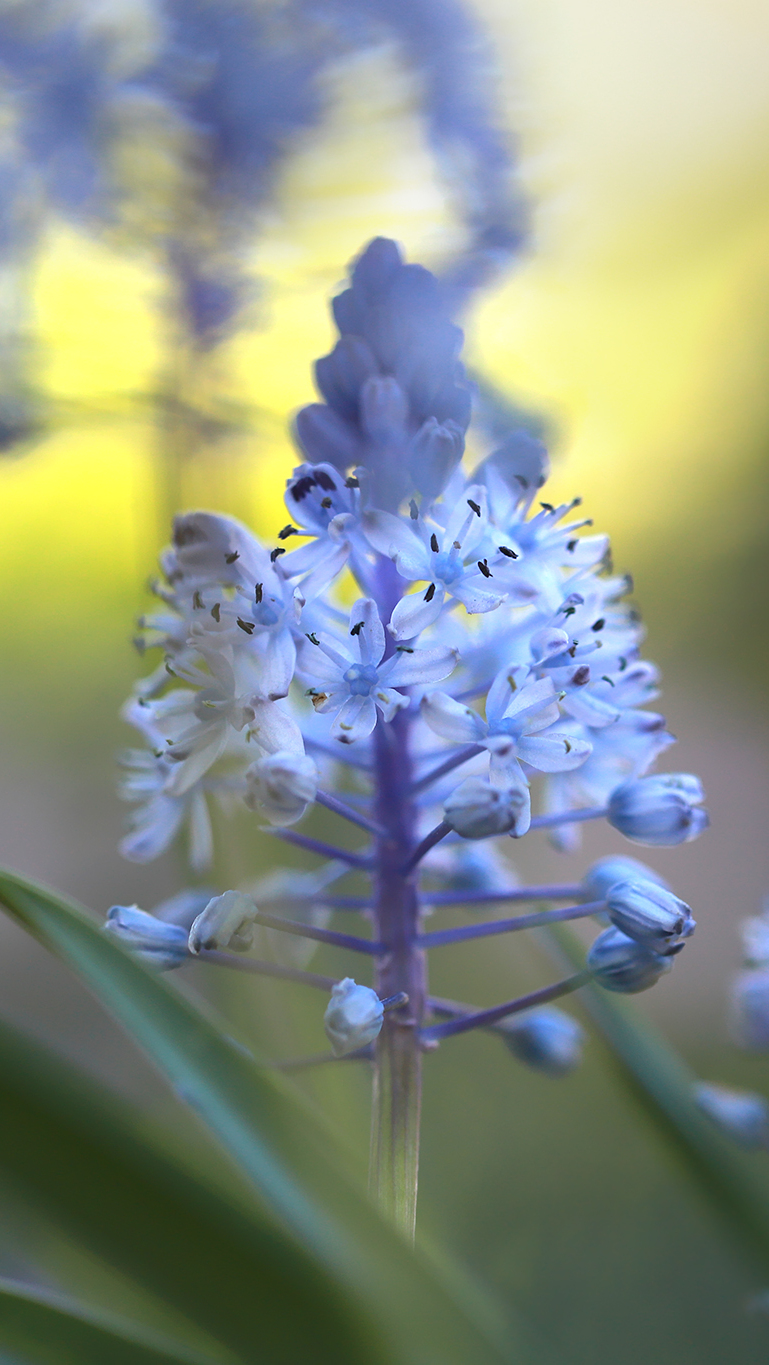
430, 840
450, 764
523, 893
289, 926
292, 836
568, 817
483, 1018
504, 926
333, 803
252, 964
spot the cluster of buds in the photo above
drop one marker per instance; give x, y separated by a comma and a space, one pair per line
486, 684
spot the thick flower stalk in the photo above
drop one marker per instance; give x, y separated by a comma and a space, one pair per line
485, 684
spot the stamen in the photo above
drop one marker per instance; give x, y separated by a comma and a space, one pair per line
505, 550
230, 559
429, 595
274, 553
474, 506
434, 546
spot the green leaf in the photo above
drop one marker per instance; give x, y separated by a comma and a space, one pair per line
663, 1084
47, 1329
74, 1154
279, 1144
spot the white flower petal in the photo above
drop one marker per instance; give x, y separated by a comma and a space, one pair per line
393, 537
371, 636
452, 720
274, 730
356, 720
389, 701
420, 666
588, 709
476, 598
553, 754
413, 614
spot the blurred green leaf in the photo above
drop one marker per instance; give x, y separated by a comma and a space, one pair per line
280, 1145
75, 1155
46, 1329
663, 1084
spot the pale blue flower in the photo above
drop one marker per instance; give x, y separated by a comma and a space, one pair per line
357, 680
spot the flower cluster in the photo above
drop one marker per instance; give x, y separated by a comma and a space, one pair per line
486, 681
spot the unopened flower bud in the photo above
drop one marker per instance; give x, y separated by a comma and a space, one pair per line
548, 642
604, 874
749, 1009
660, 810
621, 964
545, 1039
326, 438
476, 810
353, 1017
650, 914
434, 454
383, 408
755, 941
226, 922
740, 1114
156, 943
281, 786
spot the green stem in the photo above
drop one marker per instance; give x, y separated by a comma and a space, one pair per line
394, 1167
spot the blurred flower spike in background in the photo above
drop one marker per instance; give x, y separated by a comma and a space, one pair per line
469, 580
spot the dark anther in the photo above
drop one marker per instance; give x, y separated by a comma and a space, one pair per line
325, 481
274, 553
302, 487
258, 592
197, 601
230, 559
326, 502
599, 624
484, 568
247, 626
505, 550
567, 746
569, 611
357, 628
523, 482
573, 649
215, 610
413, 511
351, 482
403, 649
429, 595
577, 502
581, 676
474, 507
606, 678
622, 664
287, 531
572, 545
312, 637
547, 507
434, 546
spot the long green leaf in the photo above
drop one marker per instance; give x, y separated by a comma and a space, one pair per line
73, 1154
663, 1084
47, 1329
281, 1148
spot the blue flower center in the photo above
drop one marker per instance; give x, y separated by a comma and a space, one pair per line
448, 567
360, 679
